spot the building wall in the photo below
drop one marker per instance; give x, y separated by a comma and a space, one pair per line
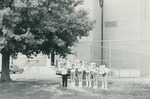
126, 35
96, 57
126, 14
83, 49
89, 48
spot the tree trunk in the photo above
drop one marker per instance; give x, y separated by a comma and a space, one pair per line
5, 76
52, 59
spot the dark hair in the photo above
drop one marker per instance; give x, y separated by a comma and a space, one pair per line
105, 64
96, 65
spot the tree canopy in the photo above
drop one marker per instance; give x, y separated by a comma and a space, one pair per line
43, 26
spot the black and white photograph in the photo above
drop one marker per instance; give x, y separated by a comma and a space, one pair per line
74, 49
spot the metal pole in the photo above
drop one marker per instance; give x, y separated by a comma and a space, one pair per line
110, 58
101, 2
91, 53
102, 35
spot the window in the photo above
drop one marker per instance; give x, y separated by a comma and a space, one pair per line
110, 24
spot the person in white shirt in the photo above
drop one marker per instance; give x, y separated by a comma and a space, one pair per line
72, 75
88, 75
64, 73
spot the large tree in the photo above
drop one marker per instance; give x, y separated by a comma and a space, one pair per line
48, 26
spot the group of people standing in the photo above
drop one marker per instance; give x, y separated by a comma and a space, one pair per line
92, 73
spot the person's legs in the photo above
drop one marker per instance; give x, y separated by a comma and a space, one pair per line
96, 82
102, 81
87, 82
74, 76
63, 80
80, 79
105, 82
71, 77
93, 81
90, 81
66, 80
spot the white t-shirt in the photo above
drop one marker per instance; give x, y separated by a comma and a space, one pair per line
64, 71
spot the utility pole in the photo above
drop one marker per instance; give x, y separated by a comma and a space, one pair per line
101, 3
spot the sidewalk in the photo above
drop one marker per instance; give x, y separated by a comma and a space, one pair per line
137, 79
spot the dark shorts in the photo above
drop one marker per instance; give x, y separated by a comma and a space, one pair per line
103, 75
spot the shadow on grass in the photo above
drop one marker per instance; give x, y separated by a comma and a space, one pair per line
52, 90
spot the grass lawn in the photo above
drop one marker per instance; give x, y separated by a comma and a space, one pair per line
52, 90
